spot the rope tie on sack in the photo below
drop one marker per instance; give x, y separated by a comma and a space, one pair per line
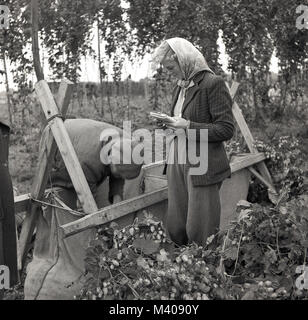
58, 115
62, 206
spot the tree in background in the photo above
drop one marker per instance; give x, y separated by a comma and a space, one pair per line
249, 45
251, 30
291, 45
197, 21
66, 33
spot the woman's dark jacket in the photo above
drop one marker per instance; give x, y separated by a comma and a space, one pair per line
208, 105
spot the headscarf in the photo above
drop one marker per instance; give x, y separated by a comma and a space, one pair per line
191, 62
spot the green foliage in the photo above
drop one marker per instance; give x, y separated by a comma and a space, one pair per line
251, 32
257, 257
284, 163
161, 91
138, 262
197, 21
270, 243
65, 30
144, 19
246, 35
291, 43
17, 41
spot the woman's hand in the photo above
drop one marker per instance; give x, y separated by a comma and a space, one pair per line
177, 123
160, 124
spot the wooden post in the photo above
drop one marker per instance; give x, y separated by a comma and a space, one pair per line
65, 147
40, 180
100, 69
8, 248
238, 115
35, 43
7, 85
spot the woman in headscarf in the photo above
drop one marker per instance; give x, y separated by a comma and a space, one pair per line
201, 100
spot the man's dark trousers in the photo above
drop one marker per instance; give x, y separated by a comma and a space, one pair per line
8, 248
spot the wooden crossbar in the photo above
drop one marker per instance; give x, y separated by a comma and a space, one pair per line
123, 208
23, 202
115, 211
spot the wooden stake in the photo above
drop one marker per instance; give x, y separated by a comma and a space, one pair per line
258, 176
40, 180
65, 147
35, 43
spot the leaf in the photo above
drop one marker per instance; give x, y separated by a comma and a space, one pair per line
146, 245
162, 256
129, 253
244, 214
114, 225
141, 262
273, 196
287, 283
244, 204
112, 253
282, 265
210, 239
271, 256
250, 295
231, 253
95, 243
283, 210
124, 281
277, 199
90, 251
206, 253
104, 274
91, 260
220, 293
131, 271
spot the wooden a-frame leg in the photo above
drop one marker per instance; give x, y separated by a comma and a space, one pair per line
66, 148
46, 156
238, 115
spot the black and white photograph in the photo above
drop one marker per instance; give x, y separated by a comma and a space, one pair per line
153, 153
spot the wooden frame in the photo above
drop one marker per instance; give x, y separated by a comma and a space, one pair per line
58, 137
118, 210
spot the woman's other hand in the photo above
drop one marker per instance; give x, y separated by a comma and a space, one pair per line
160, 124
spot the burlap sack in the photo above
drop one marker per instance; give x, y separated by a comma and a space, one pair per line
57, 268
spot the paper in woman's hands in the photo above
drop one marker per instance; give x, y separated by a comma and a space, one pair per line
159, 116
